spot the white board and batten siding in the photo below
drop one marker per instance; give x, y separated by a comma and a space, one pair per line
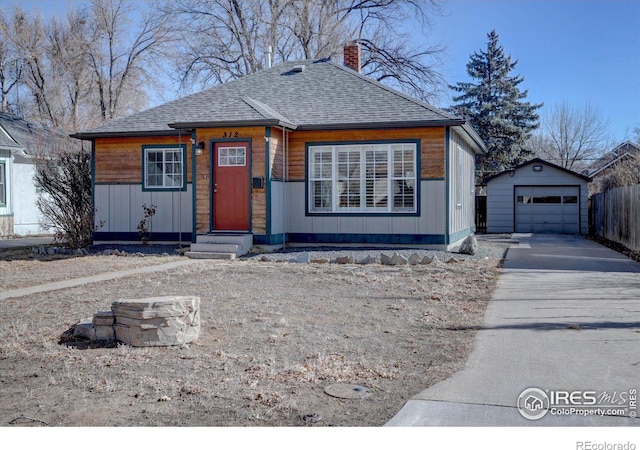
119, 207
430, 221
531, 201
461, 185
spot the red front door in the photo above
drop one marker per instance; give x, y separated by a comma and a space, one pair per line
230, 186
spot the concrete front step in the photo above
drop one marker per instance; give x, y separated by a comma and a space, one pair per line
210, 255
220, 246
217, 248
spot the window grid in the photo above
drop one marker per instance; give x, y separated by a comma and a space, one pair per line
164, 168
362, 178
232, 156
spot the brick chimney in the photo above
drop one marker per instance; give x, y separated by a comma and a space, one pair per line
351, 53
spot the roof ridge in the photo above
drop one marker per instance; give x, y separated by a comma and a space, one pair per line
264, 109
394, 91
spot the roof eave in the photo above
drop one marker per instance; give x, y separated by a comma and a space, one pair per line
89, 135
475, 137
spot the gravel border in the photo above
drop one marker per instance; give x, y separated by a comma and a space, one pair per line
489, 246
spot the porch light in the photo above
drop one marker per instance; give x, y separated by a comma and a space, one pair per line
200, 148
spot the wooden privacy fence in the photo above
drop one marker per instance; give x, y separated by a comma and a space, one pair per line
615, 215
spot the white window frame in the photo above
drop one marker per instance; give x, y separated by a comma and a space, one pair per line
232, 156
362, 178
3, 183
168, 169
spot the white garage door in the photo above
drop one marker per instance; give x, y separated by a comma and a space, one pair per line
547, 209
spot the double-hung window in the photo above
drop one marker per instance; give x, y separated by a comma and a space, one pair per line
3, 184
362, 178
164, 167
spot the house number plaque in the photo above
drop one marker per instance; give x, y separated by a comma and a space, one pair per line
230, 134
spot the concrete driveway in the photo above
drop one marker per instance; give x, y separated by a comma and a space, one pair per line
26, 242
565, 319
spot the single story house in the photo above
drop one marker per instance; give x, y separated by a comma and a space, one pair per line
20, 142
303, 152
600, 169
537, 197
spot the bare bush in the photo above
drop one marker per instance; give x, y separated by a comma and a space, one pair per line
66, 179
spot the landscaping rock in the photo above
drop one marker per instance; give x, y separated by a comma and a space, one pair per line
398, 260
157, 321
105, 333
430, 260
453, 260
414, 259
85, 329
303, 258
368, 260
469, 246
385, 259
103, 319
321, 261
344, 260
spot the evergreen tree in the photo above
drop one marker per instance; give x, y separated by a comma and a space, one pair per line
495, 108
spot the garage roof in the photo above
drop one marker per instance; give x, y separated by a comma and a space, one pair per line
536, 161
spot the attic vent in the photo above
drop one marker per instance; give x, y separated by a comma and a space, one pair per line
299, 68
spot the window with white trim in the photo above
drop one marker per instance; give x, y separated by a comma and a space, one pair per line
362, 178
3, 184
232, 156
163, 167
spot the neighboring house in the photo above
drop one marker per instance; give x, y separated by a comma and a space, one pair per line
537, 197
305, 152
601, 168
20, 142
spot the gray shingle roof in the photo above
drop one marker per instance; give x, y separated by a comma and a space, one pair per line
323, 95
17, 134
622, 151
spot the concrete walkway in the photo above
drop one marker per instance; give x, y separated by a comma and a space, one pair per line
53, 286
565, 317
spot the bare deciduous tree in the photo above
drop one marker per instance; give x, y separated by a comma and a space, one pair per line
226, 39
92, 66
122, 56
572, 137
11, 64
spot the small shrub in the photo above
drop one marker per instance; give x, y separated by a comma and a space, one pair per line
144, 227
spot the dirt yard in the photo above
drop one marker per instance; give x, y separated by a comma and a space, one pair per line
274, 335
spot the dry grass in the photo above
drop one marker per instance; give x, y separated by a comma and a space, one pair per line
273, 336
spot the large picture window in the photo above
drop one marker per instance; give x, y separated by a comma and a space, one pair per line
363, 178
164, 168
3, 184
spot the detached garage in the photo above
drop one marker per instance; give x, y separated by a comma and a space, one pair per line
537, 197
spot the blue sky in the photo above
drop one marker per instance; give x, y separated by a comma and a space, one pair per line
574, 51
